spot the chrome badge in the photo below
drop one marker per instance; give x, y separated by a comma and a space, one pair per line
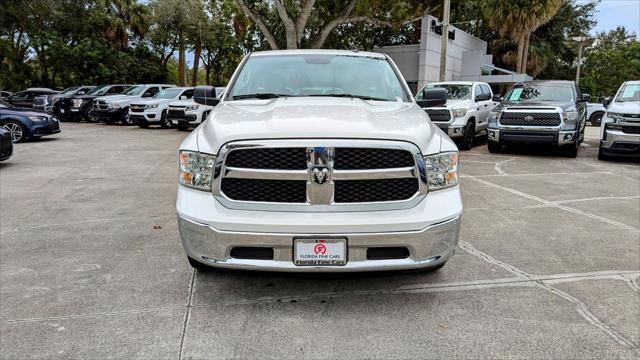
320, 161
528, 118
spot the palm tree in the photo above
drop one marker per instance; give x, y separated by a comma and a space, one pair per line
124, 17
517, 19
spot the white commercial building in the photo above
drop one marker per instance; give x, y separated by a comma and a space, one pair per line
467, 58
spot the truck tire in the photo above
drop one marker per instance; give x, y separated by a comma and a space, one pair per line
494, 147
88, 116
125, 117
571, 151
602, 156
198, 265
596, 118
468, 136
164, 122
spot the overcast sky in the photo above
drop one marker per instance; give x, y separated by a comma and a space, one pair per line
610, 14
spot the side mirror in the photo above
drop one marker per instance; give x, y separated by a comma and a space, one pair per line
606, 102
433, 97
585, 97
183, 97
497, 98
483, 97
81, 92
205, 95
147, 95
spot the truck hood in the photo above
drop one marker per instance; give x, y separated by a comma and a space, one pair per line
564, 105
626, 107
152, 101
183, 103
118, 98
331, 118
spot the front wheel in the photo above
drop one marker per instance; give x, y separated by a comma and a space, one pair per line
17, 130
494, 147
126, 120
596, 118
468, 136
165, 122
89, 116
601, 155
571, 151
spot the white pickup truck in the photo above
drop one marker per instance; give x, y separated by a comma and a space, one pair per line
187, 113
466, 113
153, 111
113, 108
620, 128
318, 161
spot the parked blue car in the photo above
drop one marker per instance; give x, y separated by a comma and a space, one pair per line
6, 144
24, 124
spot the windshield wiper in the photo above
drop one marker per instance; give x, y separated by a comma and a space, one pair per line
363, 97
259, 96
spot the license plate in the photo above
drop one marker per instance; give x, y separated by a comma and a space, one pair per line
326, 252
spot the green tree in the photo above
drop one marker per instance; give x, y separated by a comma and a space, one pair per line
613, 58
518, 19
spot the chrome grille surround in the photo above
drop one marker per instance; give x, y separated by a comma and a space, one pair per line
320, 176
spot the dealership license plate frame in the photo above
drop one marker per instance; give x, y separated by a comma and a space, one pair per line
329, 242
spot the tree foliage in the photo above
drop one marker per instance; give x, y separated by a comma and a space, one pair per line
613, 58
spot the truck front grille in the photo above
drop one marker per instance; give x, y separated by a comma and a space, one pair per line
356, 191
136, 108
439, 114
530, 119
269, 158
279, 191
631, 129
317, 175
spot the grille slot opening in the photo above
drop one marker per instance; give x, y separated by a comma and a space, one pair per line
252, 253
354, 191
279, 191
387, 253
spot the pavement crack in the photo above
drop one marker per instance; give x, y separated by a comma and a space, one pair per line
582, 308
187, 314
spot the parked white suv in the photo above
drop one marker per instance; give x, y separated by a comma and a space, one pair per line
466, 113
187, 113
113, 108
153, 111
620, 128
318, 160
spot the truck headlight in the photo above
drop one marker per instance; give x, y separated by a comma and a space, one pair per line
196, 170
192, 107
113, 106
494, 115
459, 112
571, 116
152, 106
442, 170
612, 115
77, 103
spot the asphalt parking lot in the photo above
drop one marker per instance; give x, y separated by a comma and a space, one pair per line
91, 265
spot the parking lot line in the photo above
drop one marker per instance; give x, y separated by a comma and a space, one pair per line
556, 205
579, 305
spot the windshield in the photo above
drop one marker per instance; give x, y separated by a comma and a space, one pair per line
69, 89
169, 93
318, 75
134, 90
540, 92
98, 90
454, 91
629, 92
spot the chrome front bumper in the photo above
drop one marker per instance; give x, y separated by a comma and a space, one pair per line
428, 247
616, 141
